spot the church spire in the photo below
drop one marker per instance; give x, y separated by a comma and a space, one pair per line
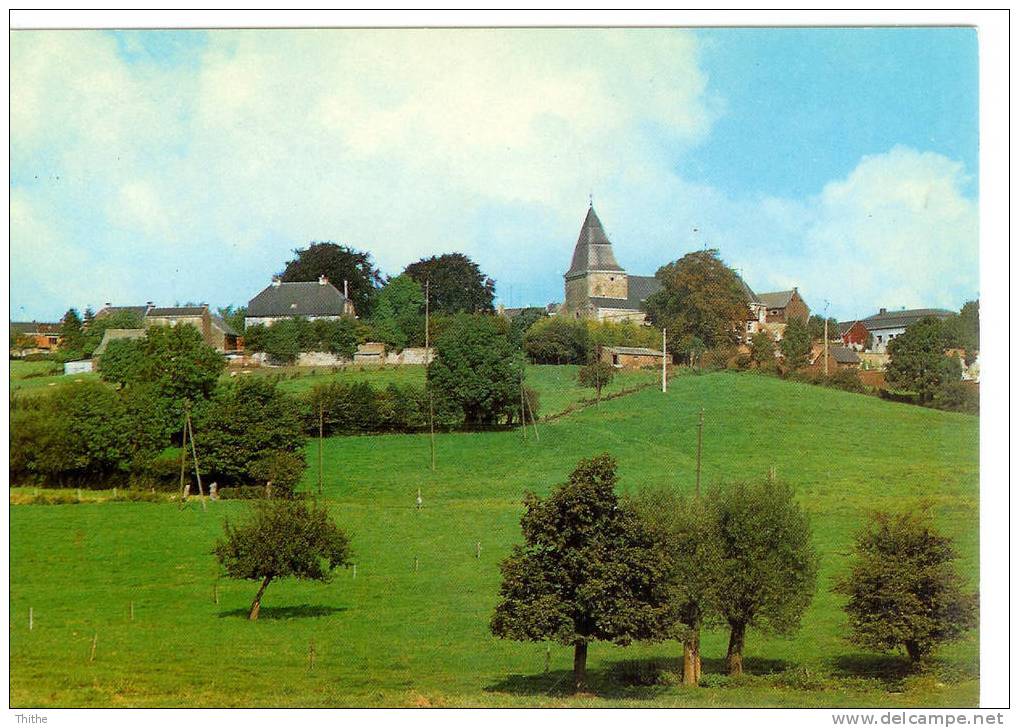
593, 251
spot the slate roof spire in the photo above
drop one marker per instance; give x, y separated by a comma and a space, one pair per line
593, 251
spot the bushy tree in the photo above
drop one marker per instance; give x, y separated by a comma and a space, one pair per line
234, 316
398, 319
282, 538
686, 538
795, 344
477, 368
93, 334
702, 297
338, 263
455, 284
917, 359
247, 421
768, 567
72, 337
180, 363
762, 349
123, 362
523, 321
588, 570
962, 330
903, 588
815, 327
596, 375
556, 340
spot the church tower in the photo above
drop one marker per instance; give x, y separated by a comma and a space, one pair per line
594, 272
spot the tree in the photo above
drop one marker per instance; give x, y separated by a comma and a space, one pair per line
338, 263
815, 325
918, 362
477, 368
247, 421
795, 344
234, 316
686, 538
398, 319
762, 349
903, 588
962, 330
72, 338
596, 375
767, 569
588, 570
180, 363
702, 297
123, 362
94, 332
557, 340
456, 284
523, 321
282, 538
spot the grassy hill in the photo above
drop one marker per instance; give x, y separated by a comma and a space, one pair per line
400, 635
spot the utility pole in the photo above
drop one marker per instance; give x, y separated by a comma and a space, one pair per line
428, 359
664, 376
826, 338
700, 431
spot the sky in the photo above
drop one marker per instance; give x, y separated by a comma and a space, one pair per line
186, 166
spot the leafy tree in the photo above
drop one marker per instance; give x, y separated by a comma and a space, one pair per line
702, 297
918, 362
456, 284
93, 335
686, 537
903, 588
523, 321
477, 368
280, 470
338, 263
962, 331
234, 316
282, 341
692, 349
815, 326
762, 349
588, 570
768, 568
282, 538
180, 363
88, 316
247, 421
596, 375
557, 340
72, 338
123, 362
795, 344
398, 319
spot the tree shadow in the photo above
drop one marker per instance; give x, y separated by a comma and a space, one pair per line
633, 679
889, 669
751, 665
294, 612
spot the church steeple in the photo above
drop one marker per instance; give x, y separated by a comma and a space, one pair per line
593, 251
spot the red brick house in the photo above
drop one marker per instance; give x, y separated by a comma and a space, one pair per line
784, 306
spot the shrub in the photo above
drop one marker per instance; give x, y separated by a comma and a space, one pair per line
280, 470
557, 340
958, 397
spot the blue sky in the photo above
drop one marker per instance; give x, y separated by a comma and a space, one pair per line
185, 166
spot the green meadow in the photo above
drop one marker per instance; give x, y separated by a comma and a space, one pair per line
409, 626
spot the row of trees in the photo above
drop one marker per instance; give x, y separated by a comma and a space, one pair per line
658, 566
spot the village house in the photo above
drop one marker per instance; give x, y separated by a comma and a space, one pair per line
306, 299
839, 357
784, 306
886, 325
36, 336
854, 334
216, 332
631, 357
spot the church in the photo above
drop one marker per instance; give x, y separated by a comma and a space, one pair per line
597, 287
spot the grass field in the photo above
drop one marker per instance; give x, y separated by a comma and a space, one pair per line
400, 635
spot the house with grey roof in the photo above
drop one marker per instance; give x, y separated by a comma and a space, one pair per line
784, 306
886, 325
216, 332
304, 299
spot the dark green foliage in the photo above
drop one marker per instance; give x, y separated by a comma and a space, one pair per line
280, 470
795, 344
93, 334
234, 316
903, 588
762, 349
358, 408
180, 363
557, 340
701, 297
691, 349
399, 316
523, 321
456, 284
338, 263
477, 368
72, 338
959, 397
596, 375
588, 569
768, 568
245, 422
962, 331
282, 538
82, 434
815, 328
287, 338
918, 362
123, 361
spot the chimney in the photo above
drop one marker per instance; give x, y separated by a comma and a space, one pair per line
149, 304
322, 280
883, 310
276, 281
107, 304
345, 289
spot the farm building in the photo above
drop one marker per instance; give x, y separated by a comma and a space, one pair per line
307, 299
36, 335
885, 325
631, 357
839, 357
217, 333
784, 306
854, 334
